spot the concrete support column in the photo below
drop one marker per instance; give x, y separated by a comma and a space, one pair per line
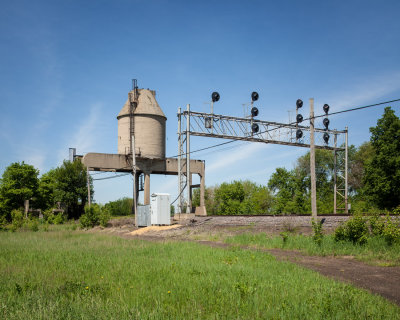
202, 191
190, 192
146, 199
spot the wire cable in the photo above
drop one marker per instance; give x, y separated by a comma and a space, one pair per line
284, 125
117, 176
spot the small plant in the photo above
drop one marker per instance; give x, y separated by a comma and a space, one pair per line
317, 229
285, 237
396, 211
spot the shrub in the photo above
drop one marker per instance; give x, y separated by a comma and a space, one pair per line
340, 233
376, 225
17, 219
59, 218
104, 217
391, 232
396, 211
354, 230
91, 216
33, 225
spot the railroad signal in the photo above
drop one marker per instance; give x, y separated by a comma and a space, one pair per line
254, 96
255, 128
326, 108
299, 103
254, 112
299, 134
326, 137
299, 118
215, 96
326, 123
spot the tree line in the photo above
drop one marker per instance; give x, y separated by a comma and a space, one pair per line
65, 185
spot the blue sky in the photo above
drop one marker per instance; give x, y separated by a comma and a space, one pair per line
66, 68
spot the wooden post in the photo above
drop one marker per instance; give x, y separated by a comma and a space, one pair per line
312, 163
88, 186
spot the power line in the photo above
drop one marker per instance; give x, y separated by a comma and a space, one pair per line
117, 176
284, 125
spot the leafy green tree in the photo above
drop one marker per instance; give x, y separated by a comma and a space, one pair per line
229, 197
19, 182
46, 190
290, 191
358, 160
382, 173
71, 187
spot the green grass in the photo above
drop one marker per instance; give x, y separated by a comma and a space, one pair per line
375, 251
64, 274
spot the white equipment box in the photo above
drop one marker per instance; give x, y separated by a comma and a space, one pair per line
160, 209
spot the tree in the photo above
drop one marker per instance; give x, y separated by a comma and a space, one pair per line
19, 182
382, 172
290, 191
46, 190
358, 159
71, 187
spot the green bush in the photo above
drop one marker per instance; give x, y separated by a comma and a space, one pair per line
52, 218
376, 225
95, 215
91, 217
120, 207
391, 232
354, 230
33, 224
17, 219
104, 217
396, 211
59, 218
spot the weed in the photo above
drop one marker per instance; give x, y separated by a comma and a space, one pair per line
317, 229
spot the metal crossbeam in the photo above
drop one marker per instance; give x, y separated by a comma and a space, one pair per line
235, 128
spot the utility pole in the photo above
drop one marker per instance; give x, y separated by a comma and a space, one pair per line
312, 163
346, 204
188, 180
88, 185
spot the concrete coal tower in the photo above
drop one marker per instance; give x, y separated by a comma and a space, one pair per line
148, 126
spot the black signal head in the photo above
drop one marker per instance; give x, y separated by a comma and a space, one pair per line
254, 96
215, 96
299, 103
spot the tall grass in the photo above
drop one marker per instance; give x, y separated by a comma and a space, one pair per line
68, 274
375, 251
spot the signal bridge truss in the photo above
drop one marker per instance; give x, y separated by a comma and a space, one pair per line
191, 123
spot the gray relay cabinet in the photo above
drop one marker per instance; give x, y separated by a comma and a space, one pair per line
157, 213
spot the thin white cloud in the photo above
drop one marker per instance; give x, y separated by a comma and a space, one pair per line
87, 136
366, 91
